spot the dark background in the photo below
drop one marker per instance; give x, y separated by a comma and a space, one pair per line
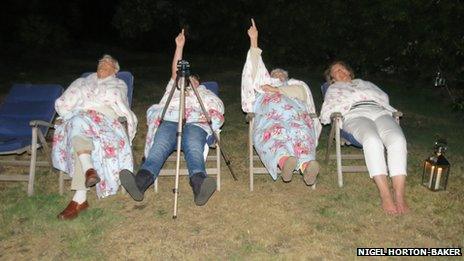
397, 38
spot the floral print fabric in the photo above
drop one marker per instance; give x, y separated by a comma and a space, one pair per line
193, 112
282, 127
111, 153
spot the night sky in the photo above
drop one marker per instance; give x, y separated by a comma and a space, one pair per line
396, 37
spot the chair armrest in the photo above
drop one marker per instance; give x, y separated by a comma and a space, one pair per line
397, 114
36, 123
122, 119
249, 116
335, 115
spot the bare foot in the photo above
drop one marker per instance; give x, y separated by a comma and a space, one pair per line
389, 206
399, 192
401, 205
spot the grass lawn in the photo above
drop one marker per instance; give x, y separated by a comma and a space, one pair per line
275, 221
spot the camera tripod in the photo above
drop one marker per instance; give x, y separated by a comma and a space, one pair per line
183, 84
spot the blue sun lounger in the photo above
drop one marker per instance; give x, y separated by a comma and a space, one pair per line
26, 115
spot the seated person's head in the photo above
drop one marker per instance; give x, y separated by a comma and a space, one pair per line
280, 74
338, 71
194, 80
107, 66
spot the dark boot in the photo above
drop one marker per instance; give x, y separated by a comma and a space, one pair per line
203, 187
136, 184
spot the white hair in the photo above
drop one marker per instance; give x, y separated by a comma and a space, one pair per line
279, 70
107, 57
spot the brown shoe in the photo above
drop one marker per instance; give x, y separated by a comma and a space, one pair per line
287, 170
72, 210
310, 172
91, 178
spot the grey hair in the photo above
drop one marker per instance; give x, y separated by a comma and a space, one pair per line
107, 57
327, 73
279, 70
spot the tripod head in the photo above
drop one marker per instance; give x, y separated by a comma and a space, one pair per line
183, 68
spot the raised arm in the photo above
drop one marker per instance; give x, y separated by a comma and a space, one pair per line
253, 34
180, 42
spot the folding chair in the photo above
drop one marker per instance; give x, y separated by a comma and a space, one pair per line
344, 138
167, 171
252, 154
27, 107
128, 78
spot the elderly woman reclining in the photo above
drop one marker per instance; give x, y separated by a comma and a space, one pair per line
161, 137
367, 115
91, 145
284, 134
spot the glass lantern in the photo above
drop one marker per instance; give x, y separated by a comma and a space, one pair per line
436, 168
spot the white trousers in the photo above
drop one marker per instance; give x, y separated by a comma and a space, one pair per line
376, 130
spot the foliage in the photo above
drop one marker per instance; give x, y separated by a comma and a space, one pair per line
412, 39
35, 31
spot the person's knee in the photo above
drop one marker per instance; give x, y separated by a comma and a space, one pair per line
193, 149
398, 142
372, 141
82, 143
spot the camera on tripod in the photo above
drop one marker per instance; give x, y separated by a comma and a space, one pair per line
183, 68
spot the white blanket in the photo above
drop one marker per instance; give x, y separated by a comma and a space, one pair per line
340, 96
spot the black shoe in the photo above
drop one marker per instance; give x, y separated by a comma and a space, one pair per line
203, 188
136, 185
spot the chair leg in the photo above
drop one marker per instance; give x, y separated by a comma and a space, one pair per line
30, 185
155, 186
250, 151
329, 144
339, 156
313, 187
218, 165
61, 182
44, 144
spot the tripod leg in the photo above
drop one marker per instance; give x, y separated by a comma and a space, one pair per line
173, 89
208, 118
179, 142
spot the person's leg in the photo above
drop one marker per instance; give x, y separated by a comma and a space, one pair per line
83, 147
79, 201
388, 204
364, 130
193, 144
395, 142
164, 144
399, 183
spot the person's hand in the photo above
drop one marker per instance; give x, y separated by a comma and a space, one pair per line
253, 31
180, 39
269, 88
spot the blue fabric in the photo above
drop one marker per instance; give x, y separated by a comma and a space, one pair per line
212, 86
324, 88
24, 103
14, 143
344, 134
127, 77
165, 142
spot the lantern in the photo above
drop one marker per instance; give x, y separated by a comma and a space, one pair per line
436, 168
